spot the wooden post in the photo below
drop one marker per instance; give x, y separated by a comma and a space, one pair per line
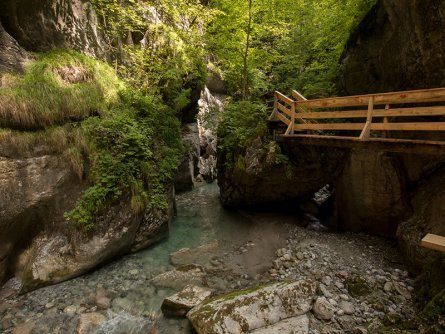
273, 115
366, 129
290, 128
386, 120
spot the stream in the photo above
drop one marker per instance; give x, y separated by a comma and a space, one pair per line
126, 281
241, 249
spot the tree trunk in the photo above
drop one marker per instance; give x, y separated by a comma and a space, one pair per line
244, 91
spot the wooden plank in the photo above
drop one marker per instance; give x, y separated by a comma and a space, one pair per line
417, 96
282, 118
367, 128
433, 241
424, 126
284, 98
284, 109
330, 126
399, 112
297, 96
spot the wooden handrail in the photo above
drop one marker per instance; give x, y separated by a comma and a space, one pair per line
296, 113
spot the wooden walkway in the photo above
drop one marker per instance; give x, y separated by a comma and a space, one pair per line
411, 121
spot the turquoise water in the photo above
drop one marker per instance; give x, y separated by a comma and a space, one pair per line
200, 219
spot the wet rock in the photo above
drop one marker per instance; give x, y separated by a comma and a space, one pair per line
125, 323
180, 303
294, 325
70, 310
186, 255
254, 308
89, 322
322, 309
24, 328
101, 300
181, 277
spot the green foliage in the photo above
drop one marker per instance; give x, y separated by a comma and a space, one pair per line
295, 44
242, 122
157, 45
135, 151
78, 108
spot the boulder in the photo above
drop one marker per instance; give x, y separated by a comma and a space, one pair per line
398, 46
180, 303
323, 310
294, 325
39, 245
186, 256
261, 176
179, 278
247, 310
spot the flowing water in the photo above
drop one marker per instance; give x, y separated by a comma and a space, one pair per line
127, 281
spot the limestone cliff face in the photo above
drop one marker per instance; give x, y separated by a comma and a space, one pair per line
48, 24
398, 46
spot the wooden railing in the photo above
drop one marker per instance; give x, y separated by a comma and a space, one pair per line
362, 113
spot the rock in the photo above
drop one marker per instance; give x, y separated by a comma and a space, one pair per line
186, 256
188, 168
401, 290
294, 325
180, 303
89, 322
372, 199
324, 291
322, 309
254, 308
360, 330
413, 33
181, 277
70, 310
45, 25
347, 307
357, 286
126, 323
24, 327
247, 183
101, 300
12, 56
388, 287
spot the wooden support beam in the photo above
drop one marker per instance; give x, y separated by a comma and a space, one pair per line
433, 241
367, 128
282, 118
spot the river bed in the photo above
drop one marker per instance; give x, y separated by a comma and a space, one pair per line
245, 255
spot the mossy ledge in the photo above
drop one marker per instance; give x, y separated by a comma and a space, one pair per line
117, 139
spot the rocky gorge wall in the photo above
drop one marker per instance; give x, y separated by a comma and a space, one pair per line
38, 185
398, 46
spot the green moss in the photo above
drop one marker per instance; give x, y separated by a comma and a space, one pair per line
59, 86
435, 308
124, 143
357, 286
